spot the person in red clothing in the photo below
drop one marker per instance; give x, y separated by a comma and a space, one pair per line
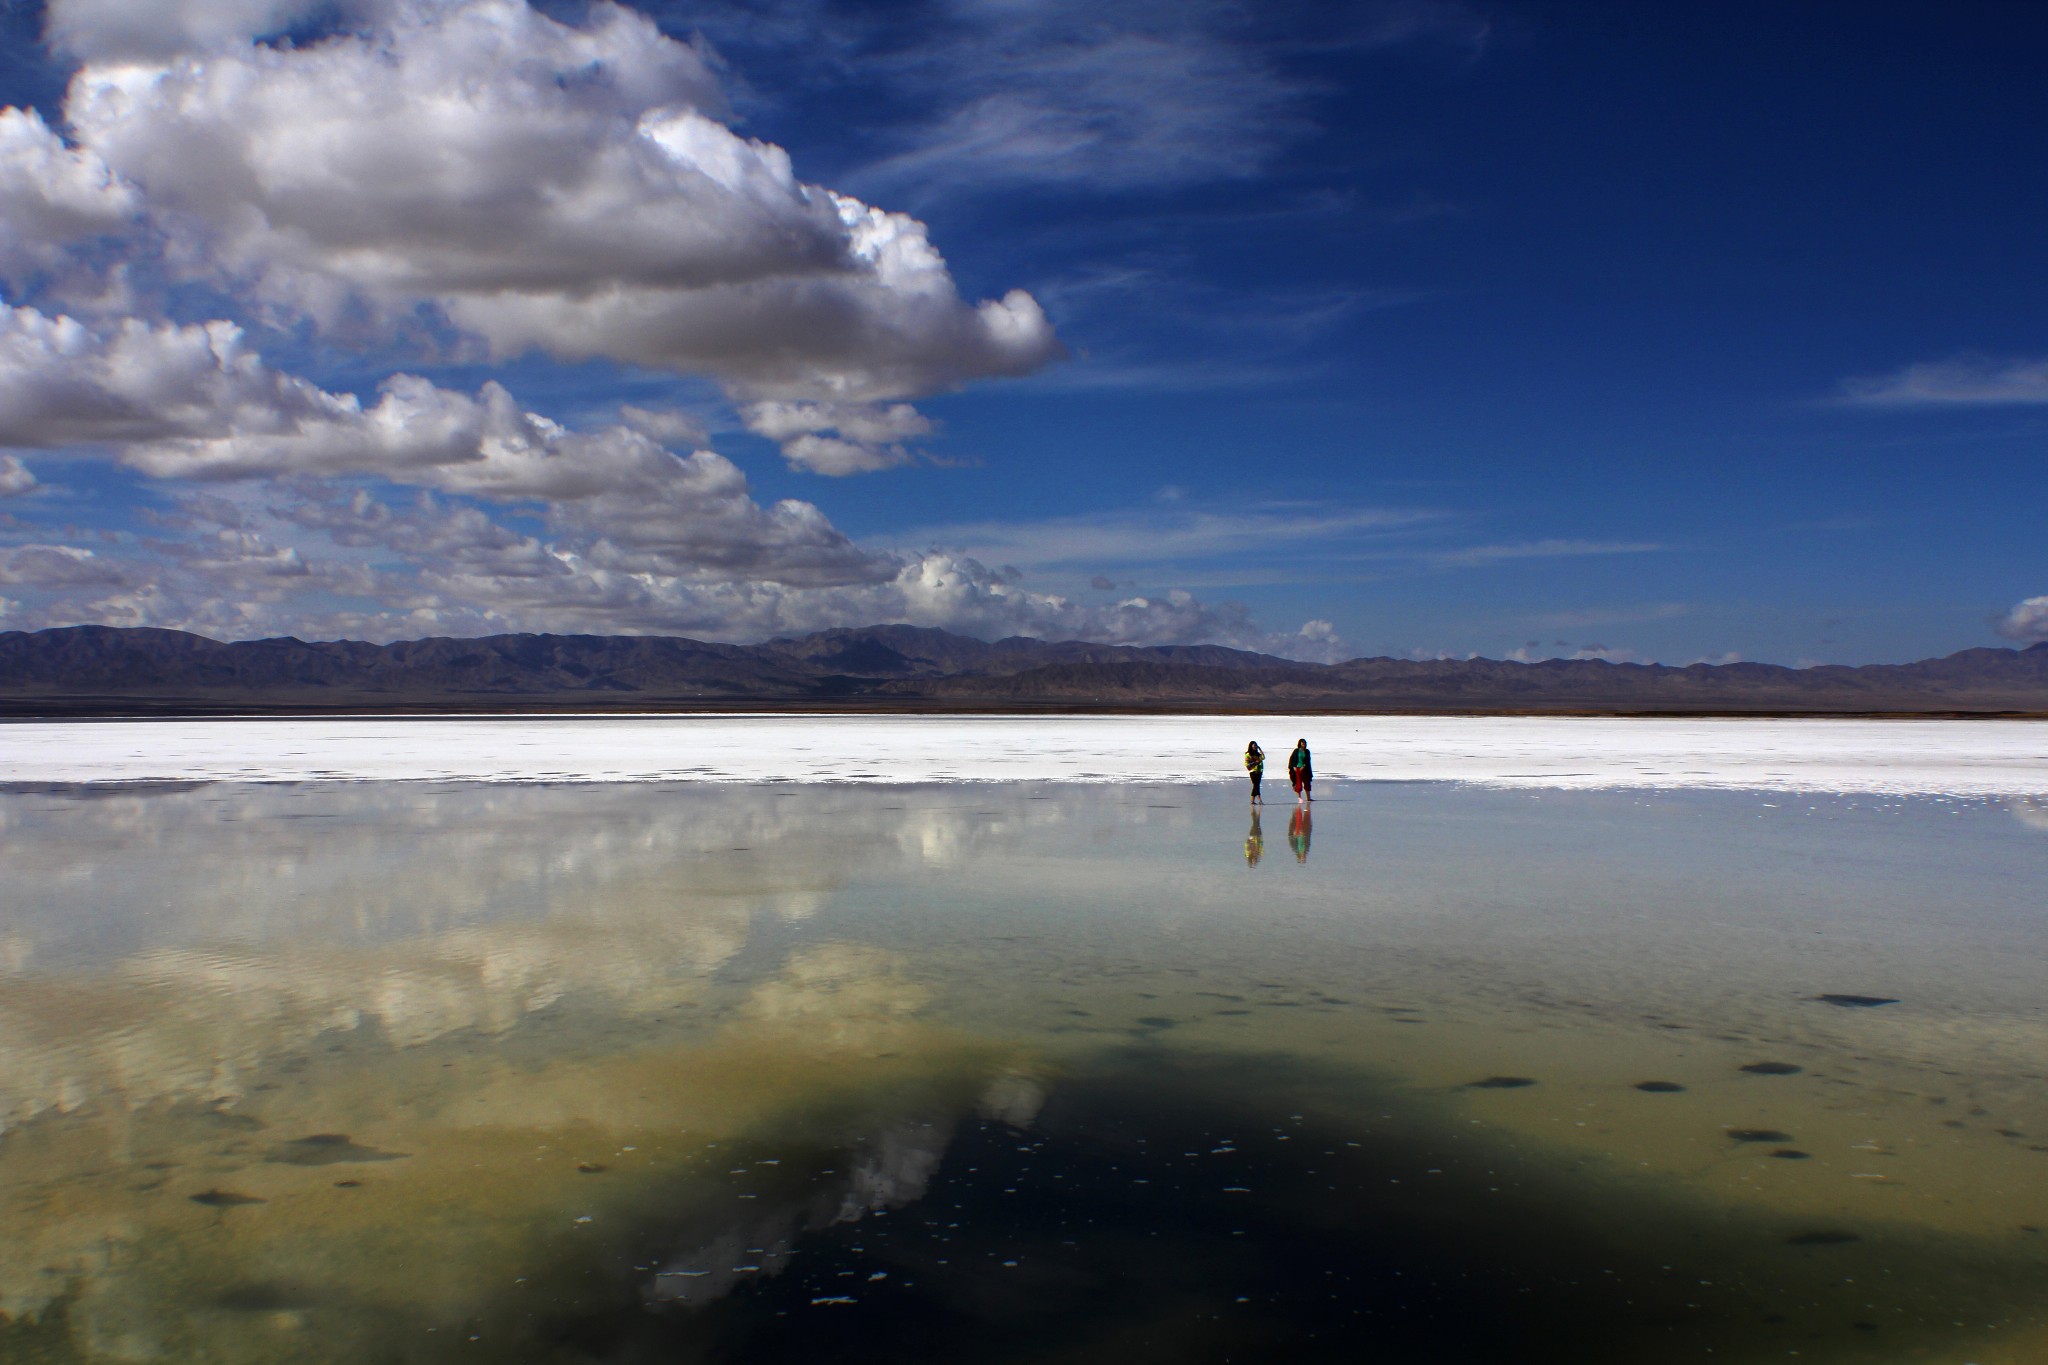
1300, 772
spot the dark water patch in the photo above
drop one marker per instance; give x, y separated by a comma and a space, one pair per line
348, 1184
1758, 1135
1141, 1217
1660, 1087
225, 1199
1791, 1154
1773, 1069
1157, 1021
1221, 1013
329, 1149
591, 1168
263, 1296
1501, 1083
1858, 1002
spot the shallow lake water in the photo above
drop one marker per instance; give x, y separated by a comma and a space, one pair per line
403, 1072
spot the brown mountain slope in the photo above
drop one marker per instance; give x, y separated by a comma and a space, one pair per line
105, 670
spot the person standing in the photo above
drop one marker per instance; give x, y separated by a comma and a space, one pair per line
1255, 768
1300, 772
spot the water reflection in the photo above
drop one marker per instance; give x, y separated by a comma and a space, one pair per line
310, 1071
2031, 811
1299, 830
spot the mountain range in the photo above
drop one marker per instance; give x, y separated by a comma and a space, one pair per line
107, 670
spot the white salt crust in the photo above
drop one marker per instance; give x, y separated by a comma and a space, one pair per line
1964, 758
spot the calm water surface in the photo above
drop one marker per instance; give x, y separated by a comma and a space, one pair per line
396, 1073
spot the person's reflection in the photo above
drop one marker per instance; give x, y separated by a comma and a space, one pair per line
1254, 843
1298, 830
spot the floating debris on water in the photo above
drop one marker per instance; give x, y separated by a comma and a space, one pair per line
1501, 1083
1773, 1069
1659, 1087
1860, 1002
1758, 1135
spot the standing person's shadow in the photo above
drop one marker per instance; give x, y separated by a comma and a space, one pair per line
1298, 831
1254, 843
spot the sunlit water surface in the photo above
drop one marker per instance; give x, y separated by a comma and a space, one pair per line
395, 1073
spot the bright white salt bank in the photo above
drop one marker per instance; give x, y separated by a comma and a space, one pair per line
1982, 758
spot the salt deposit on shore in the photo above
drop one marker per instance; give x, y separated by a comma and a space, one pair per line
1976, 758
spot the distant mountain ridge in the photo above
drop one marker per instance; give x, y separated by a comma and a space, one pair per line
116, 670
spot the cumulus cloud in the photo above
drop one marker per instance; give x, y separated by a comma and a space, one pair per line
368, 568
638, 538
2026, 622
100, 29
60, 566
504, 181
665, 426
1969, 381
52, 197
194, 402
839, 438
565, 188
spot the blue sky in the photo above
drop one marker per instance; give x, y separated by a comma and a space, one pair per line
1639, 332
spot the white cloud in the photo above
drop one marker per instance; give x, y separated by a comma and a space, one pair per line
100, 29
1168, 535
1534, 652
640, 539
1128, 94
1482, 556
193, 402
16, 478
1969, 381
52, 196
552, 187
666, 426
362, 567
477, 166
63, 566
865, 436
2026, 622
1123, 110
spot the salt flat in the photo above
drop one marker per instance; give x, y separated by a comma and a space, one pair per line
1983, 758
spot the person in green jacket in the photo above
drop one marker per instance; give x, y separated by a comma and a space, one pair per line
1299, 771
1255, 768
